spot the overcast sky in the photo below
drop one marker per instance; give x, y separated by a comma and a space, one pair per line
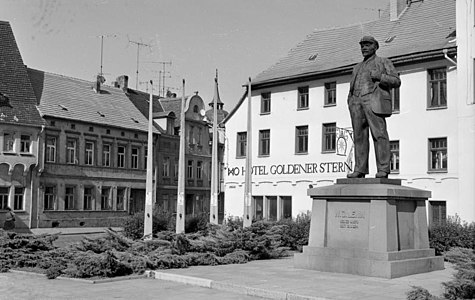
240, 38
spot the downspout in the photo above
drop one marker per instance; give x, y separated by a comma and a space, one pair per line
448, 58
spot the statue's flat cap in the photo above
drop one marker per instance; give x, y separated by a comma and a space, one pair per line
368, 39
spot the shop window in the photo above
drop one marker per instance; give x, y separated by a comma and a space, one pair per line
330, 93
437, 213
286, 204
301, 139
120, 201
106, 203
437, 88
88, 198
258, 207
438, 154
265, 103
4, 192
50, 149
49, 198
241, 144
264, 142
271, 208
302, 102
394, 159
329, 137
70, 198
18, 200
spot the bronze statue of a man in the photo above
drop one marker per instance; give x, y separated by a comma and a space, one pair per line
369, 101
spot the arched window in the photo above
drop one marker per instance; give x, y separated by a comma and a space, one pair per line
196, 109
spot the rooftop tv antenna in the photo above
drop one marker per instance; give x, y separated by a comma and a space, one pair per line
162, 75
102, 48
139, 44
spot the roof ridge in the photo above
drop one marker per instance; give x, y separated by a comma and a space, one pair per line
62, 76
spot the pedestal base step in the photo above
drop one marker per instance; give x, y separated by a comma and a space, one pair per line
366, 263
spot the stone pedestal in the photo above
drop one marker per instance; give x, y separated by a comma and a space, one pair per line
372, 227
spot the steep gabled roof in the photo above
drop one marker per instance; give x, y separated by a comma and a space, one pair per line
174, 105
75, 99
15, 87
424, 26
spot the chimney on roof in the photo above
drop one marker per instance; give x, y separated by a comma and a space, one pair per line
123, 82
99, 81
396, 7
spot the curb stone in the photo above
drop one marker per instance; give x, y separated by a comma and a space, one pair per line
91, 281
229, 287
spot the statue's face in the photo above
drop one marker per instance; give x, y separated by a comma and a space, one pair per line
368, 49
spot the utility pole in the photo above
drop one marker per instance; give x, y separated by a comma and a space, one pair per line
180, 204
139, 44
213, 216
148, 222
247, 217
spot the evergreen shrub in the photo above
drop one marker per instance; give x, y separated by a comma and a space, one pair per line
453, 233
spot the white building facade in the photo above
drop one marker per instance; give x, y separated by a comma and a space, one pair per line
301, 132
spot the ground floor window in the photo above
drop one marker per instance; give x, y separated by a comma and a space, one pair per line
88, 198
437, 212
271, 208
121, 198
49, 198
69, 198
4, 191
18, 200
106, 203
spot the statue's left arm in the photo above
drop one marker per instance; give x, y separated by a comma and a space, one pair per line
389, 78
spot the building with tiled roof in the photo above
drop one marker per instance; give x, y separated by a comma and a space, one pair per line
20, 127
302, 128
95, 150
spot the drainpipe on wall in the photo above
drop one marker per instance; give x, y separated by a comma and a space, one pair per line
448, 58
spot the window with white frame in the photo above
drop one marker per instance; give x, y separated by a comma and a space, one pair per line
135, 158
106, 203
301, 139
8, 142
302, 102
264, 142
258, 207
89, 198
106, 155
286, 207
49, 198
437, 213
395, 100
120, 198
330, 93
241, 144
329, 137
25, 143
4, 192
265, 103
438, 159
437, 88
18, 200
50, 149
394, 159
89, 155
120, 156
71, 151
70, 198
